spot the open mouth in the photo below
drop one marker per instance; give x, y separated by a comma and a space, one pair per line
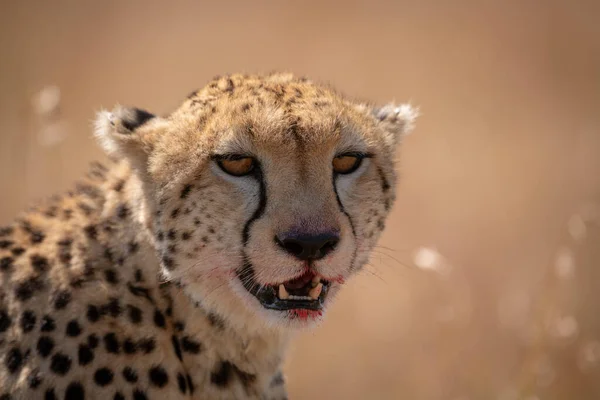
306, 292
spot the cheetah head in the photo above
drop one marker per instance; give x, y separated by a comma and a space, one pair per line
262, 194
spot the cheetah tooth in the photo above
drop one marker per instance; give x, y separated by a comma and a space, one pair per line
315, 281
283, 294
315, 292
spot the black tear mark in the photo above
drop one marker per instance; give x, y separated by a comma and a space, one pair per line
343, 211
257, 174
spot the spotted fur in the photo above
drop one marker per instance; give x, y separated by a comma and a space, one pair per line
127, 287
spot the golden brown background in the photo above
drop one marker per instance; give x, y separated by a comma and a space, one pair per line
500, 180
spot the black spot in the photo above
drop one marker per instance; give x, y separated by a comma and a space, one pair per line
216, 321
159, 319
93, 341
49, 395
111, 276
122, 211
190, 346
36, 237
181, 383
5, 396
186, 235
135, 314
26, 289
17, 251
5, 321
171, 234
222, 375
139, 395
103, 376
85, 354
64, 251
176, 347
135, 118
190, 383
158, 376
160, 236
175, 213
13, 360
112, 343
91, 231
129, 346
39, 263
113, 307
45, 345
73, 328
277, 380
93, 314
140, 291
179, 326
168, 262
75, 391
147, 345
6, 230
246, 378
67, 213
130, 375
138, 275
64, 255
119, 185
230, 86
63, 298
118, 396
34, 379
5, 244
90, 191
48, 324
6, 263
60, 364
185, 191
28, 319
109, 255
133, 247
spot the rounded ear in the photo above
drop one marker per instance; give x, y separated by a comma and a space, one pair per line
120, 134
398, 120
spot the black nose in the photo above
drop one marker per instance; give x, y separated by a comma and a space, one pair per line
308, 247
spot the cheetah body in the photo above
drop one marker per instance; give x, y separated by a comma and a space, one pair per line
129, 286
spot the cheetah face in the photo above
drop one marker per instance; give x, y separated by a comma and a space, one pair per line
263, 196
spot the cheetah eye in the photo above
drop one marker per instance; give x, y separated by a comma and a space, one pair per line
236, 165
347, 163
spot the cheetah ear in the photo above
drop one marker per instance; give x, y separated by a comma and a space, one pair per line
122, 133
398, 120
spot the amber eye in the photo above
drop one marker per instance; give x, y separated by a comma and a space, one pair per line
237, 165
346, 163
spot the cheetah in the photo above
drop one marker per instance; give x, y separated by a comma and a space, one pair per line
182, 267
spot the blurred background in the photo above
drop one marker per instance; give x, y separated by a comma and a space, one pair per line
486, 284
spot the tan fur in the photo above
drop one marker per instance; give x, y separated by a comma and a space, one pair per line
146, 250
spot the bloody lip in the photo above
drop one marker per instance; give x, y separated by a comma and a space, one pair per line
303, 293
